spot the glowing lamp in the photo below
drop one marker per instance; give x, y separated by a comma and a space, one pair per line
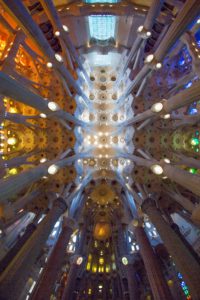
53, 106
148, 34
140, 28
58, 57
166, 160
43, 116
12, 141
157, 107
53, 169
79, 260
167, 116
57, 33
43, 160
158, 65
65, 28
49, 65
157, 169
125, 260
149, 58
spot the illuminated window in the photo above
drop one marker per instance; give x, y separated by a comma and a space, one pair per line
101, 269
102, 27
114, 266
107, 268
70, 248
148, 225
101, 261
74, 238
88, 266
94, 268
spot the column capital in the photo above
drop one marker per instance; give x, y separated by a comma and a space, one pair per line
148, 202
60, 202
137, 222
77, 259
69, 223
127, 260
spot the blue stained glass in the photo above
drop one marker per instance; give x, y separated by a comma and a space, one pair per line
188, 84
193, 111
181, 61
102, 27
180, 276
197, 37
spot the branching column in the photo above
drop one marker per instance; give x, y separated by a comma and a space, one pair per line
149, 20
156, 278
55, 263
71, 278
13, 89
182, 177
14, 184
19, 12
14, 277
19, 244
185, 17
183, 98
54, 17
132, 282
182, 257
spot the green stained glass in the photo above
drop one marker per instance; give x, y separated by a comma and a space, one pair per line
194, 141
186, 292
193, 171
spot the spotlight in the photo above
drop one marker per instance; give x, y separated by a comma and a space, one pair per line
148, 34
43, 116
53, 169
53, 106
12, 141
43, 160
167, 116
65, 28
49, 65
167, 160
149, 58
58, 57
124, 260
140, 28
158, 65
79, 260
57, 33
157, 107
157, 169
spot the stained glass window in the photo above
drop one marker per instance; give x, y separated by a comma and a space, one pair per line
102, 27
